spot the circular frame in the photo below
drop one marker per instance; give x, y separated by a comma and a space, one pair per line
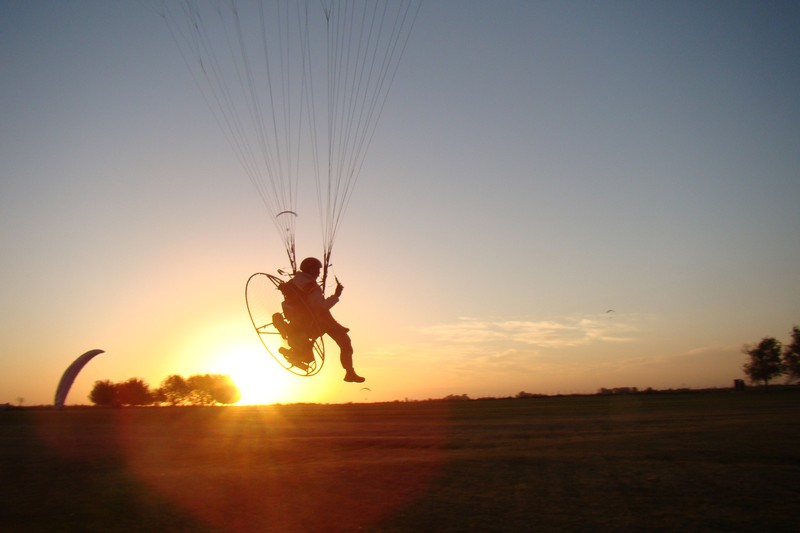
263, 298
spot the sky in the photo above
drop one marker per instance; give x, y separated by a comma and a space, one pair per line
560, 197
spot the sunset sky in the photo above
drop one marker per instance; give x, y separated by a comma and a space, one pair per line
538, 164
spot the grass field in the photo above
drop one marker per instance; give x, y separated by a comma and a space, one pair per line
661, 462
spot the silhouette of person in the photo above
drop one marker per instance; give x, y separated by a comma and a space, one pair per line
306, 281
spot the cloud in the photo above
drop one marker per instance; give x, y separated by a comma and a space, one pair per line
564, 332
500, 356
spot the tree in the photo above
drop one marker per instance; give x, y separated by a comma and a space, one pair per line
104, 393
225, 390
765, 360
134, 392
791, 355
174, 390
208, 389
201, 389
456, 397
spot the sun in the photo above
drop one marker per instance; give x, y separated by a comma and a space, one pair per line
256, 376
226, 347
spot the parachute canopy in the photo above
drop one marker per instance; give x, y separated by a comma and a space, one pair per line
69, 376
298, 87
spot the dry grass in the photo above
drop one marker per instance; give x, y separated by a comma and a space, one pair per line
688, 462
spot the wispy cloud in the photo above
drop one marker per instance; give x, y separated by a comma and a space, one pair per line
475, 348
564, 332
562, 354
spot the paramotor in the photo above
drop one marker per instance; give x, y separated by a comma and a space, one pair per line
298, 87
297, 348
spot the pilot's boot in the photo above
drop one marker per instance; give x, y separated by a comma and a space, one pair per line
352, 377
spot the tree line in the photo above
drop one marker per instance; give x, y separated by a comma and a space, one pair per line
199, 389
769, 359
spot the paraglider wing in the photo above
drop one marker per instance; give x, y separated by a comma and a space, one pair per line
297, 88
69, 376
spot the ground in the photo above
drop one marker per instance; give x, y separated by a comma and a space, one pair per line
663, 462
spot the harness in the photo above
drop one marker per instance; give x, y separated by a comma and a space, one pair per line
296, 308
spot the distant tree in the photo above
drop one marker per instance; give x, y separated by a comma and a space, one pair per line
104, 393
200, 390
456, 397
209, 389
174, 390
791, 355
157, 396
224, 390
617, 390
134, 392
765, 360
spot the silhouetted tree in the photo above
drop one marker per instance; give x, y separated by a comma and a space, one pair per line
225, 390
134, 392
791, 355
174, 390
201, 389
765, 360
104, 393
208, 389
617, 390
456, 397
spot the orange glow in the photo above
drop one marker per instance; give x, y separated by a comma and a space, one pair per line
258, 378
232, 348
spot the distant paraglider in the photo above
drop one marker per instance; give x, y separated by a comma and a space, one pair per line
70, 374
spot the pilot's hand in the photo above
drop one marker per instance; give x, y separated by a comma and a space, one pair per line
339, 289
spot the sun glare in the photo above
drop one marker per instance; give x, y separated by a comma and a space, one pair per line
254, 373
228, 348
